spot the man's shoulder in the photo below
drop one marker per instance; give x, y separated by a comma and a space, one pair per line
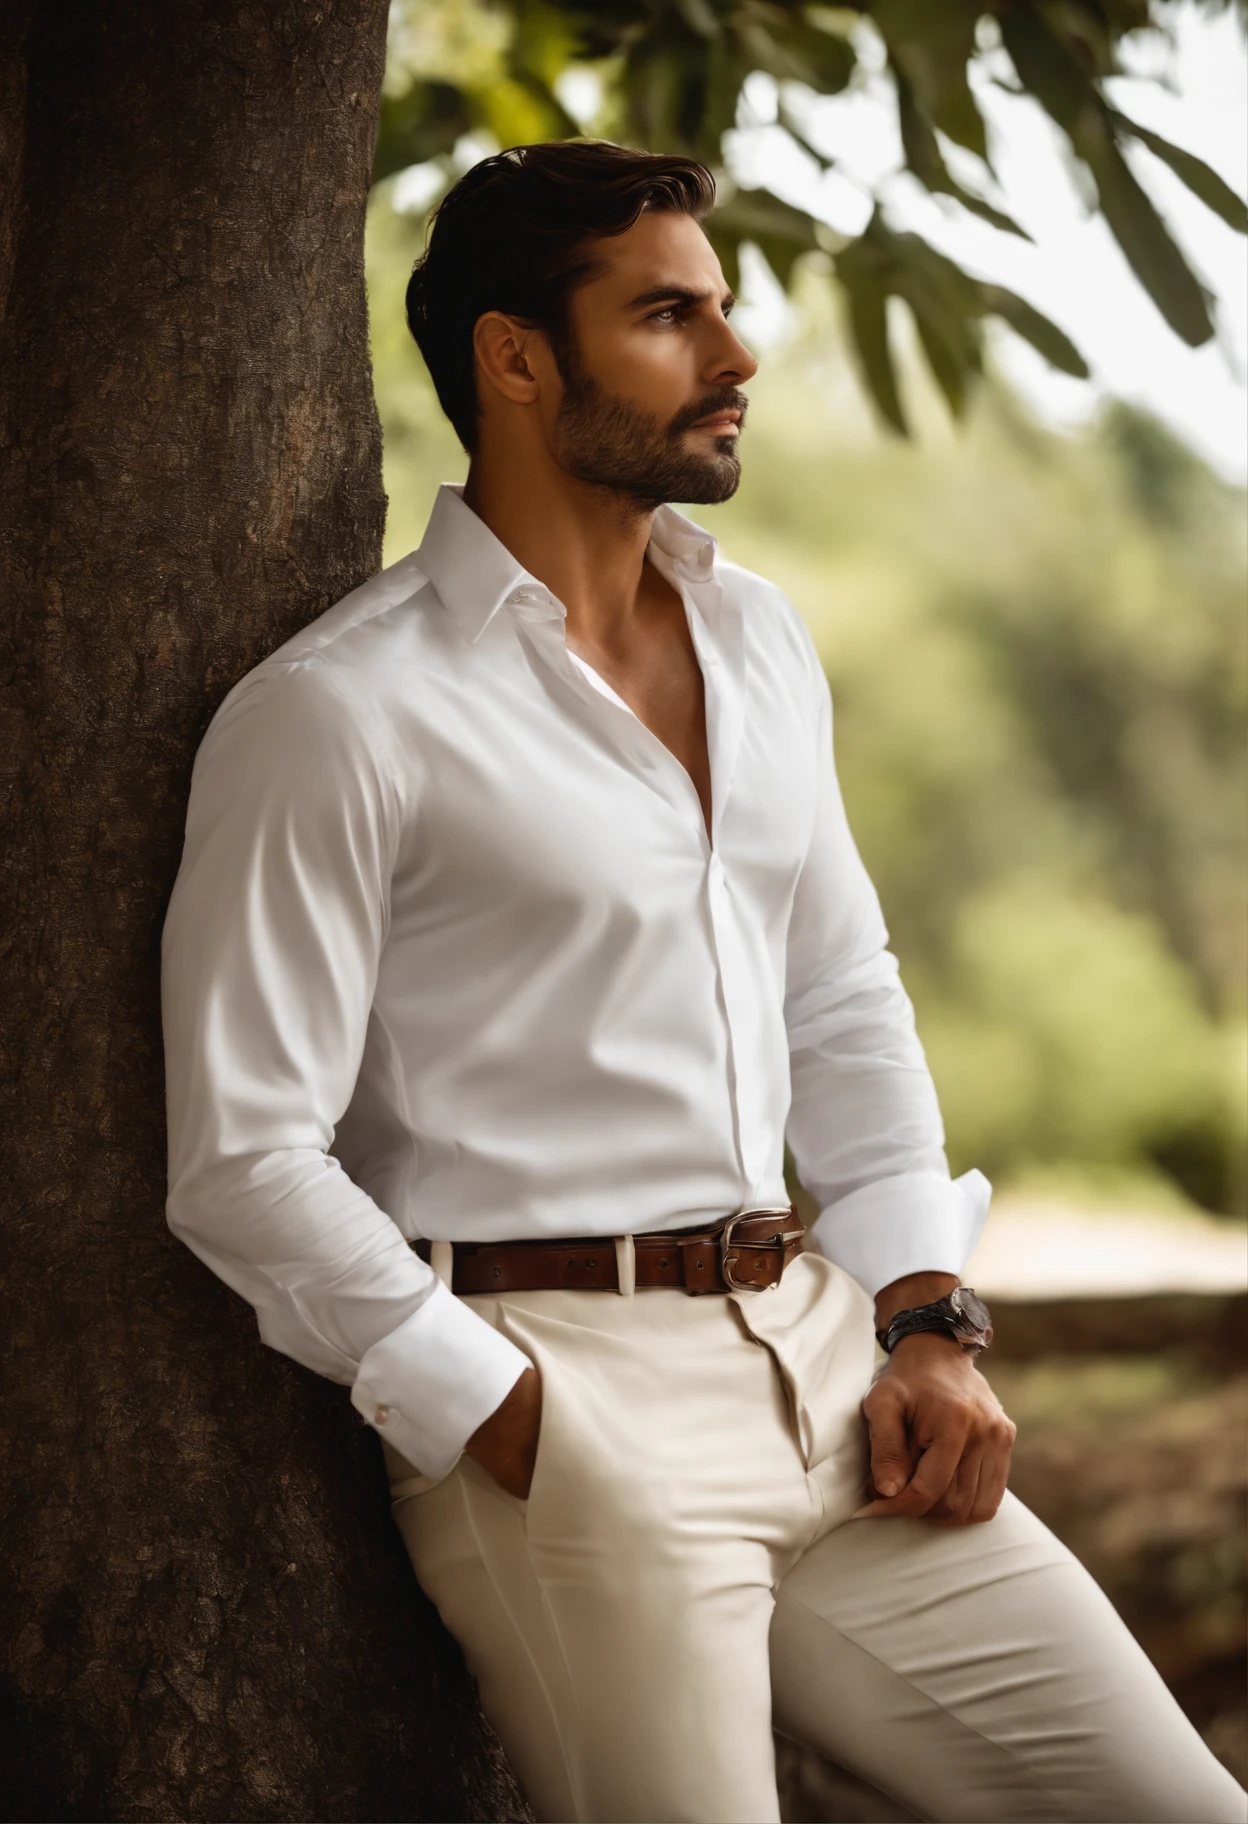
772, 624
353, 657
368, 628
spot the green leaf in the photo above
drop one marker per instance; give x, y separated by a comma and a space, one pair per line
559, 123
868, 324
925, 159
680, 92
721, 91
952, 373
605, 30
985, 210
918, 137
933, 45
699, 17
780, 254
946, 308
859, 273
727, 247
1047, 68
781, 233
1150, 250
418, 126
546, 40
658, 81
1045, 337
956, 112
1203, 182
822, 59
751, 213
518, 112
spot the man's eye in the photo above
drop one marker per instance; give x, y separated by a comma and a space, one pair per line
668, 314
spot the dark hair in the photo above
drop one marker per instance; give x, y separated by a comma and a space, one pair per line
512, 236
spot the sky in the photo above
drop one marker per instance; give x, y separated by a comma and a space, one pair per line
1074, 271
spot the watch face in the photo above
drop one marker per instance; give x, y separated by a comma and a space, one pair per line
972, 1309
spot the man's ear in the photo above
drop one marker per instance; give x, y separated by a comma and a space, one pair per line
509, 354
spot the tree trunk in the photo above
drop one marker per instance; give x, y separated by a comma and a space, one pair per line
208, 1614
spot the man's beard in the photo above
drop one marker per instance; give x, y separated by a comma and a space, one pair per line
603, 440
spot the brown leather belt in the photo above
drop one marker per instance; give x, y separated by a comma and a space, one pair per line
745, 1253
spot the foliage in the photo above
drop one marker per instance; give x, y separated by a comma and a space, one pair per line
1036, 646
670, 74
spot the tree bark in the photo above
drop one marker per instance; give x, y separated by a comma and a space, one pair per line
207, 1613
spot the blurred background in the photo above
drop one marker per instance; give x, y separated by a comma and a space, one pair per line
1032, 610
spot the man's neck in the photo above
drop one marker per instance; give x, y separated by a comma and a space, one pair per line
586, 544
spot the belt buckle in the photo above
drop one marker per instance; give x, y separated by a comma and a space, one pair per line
780, 1241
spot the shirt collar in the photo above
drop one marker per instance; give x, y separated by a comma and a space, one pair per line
690, 549
474, 573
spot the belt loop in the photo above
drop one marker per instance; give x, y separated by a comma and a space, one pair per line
626, 1265
442, 1260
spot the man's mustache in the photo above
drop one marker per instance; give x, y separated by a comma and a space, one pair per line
723, 399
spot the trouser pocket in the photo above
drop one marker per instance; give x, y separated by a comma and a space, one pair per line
406, 1481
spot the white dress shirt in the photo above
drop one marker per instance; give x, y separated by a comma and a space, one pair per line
451, 955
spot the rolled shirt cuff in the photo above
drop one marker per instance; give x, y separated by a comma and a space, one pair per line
428, 1385
919, 1222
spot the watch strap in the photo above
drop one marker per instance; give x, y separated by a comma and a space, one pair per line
939, 1318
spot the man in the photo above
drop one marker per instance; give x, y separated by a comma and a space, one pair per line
518, 925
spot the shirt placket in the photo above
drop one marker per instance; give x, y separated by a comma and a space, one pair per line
742, 988
722, 662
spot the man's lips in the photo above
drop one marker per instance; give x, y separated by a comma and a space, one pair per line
718, 421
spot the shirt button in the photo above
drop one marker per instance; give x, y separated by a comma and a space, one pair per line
384, 1414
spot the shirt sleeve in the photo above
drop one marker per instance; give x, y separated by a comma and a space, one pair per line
864, 1127
270, 956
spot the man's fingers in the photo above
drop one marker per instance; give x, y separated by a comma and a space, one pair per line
957, 1504
892, 1458
987, 1497
994, 1472
981, 1479
936, 1470
992, 1481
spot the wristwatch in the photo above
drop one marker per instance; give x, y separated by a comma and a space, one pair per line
960, 1315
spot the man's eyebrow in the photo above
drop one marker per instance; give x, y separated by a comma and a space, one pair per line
678, 294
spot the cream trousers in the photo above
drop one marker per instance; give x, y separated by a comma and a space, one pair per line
686, 1574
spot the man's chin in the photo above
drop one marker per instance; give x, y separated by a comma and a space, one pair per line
702, 481
709, 484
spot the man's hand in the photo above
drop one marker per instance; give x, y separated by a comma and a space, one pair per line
940, 1440
505, 1444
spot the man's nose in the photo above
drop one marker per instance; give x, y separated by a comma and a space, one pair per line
733, 363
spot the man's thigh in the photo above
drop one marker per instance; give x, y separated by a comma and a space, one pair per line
978, 1673
638, 1696
618, 1621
